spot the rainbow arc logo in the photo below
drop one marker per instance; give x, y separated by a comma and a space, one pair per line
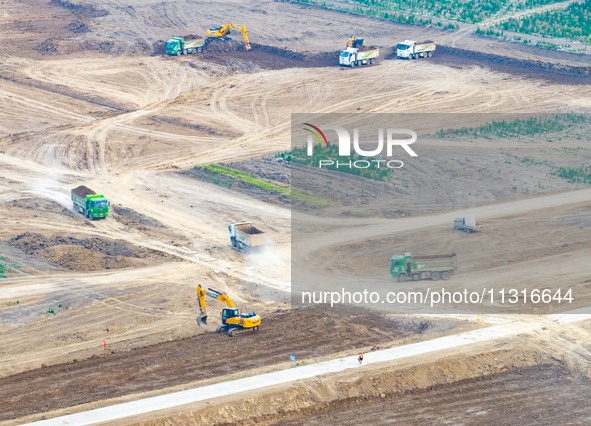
317, 133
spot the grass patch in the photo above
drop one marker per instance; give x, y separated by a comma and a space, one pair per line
580, 174
520, 127
299, 156
261, 183
526, 161
247, 178
4, 267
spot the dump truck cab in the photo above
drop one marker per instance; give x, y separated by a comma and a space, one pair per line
405, 49
98, 206
174, 46
400, 265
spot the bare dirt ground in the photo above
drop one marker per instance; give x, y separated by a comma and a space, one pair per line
87, 99
197, 359
516, 379
466, 401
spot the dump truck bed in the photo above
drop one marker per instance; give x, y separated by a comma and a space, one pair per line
248, 228
245, 236
434, 256
82, 191
434, 263
194, 42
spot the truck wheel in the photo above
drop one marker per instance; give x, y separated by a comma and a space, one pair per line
416, 277
178, 53
435, 276
428, 54
445, 275
199, 49
402, 278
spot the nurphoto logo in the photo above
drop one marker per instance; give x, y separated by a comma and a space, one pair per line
362, 158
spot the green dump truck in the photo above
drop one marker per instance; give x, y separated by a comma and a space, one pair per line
180, 46
417, 268
89, 203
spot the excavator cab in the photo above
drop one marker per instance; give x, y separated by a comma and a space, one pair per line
354, 41
229, 313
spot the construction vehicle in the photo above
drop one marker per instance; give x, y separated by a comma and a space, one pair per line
410, 49
417, 268
223, 31
354, 41
466, 224
233, 322
180, 46
245, 237
357, 56
89, 203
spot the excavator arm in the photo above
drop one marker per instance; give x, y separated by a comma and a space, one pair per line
211, 292
245, 36
224, 30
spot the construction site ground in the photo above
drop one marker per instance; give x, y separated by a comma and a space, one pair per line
513, 379
88, 98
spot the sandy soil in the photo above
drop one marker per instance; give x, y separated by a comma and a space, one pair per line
529, 382
88, 100
197, 359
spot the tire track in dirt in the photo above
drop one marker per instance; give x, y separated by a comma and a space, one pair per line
194, 358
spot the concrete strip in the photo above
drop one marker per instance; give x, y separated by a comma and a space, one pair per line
176, 399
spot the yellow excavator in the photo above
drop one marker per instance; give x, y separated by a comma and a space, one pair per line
233, 322
354, 41
223, 31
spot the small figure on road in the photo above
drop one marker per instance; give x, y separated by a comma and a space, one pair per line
360, 359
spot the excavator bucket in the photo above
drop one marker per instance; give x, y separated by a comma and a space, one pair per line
202, 320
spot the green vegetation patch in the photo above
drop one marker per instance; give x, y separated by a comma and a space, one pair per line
580, 174
265, 184
4, 267
299, 156
572, 22
470, 11
532, 126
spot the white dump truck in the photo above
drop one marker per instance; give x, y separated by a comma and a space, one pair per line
357, 56
409, 49
245, 237
466, 223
